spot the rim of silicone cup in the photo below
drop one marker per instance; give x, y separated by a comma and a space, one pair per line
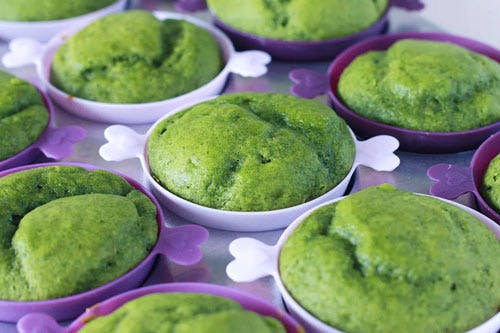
103, 291
427, 141
309, 319
235, 215
29, 153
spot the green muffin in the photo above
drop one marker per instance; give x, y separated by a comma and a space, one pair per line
386, 260
48, 10
132, 57
424, 85
183, 313
490, 189
251, 152
23, 115
299, 19
66, 230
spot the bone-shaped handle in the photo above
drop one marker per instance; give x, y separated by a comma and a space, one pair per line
378, 153
451, 181
123, 143
253, 260
23, 52
181, 245
37, 323
249, 63
308, 83
57, 143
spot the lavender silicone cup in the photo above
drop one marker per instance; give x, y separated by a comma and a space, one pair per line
55, 143
453, 181
179, 245
312, 50
35, 322
309, 84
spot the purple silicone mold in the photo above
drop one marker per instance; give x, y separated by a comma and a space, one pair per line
312, 50
411, 140
179, 245
42, 323
55, 143
453, 181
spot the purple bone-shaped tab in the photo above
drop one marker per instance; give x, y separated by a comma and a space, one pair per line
308, 83
452, 181
181, 244
408, 4
39, 322
57, 143
190, 6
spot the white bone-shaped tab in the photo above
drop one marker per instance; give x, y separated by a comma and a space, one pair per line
378, 153
23, 52
123, 143
253, 260
249, 63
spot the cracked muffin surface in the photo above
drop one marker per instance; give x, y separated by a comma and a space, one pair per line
183, 313
65, 230
133, 57
424, 85
419, 263
23, 115
251, 152
299, 19
47, 10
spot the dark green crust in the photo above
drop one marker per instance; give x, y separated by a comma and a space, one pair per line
132, 57
66, 230
490, 188
251, 152
183, 313
48, 10
23, 115
424, 85
299, 19
385, 260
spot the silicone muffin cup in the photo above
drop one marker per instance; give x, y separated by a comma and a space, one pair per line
452, 181
124, 143
255, 260
179, 245
309, 84
55, 143
44, 30
34, 322
302, 50
27, 51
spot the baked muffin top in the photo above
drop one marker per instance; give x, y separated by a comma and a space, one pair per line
411, 263
490, 189
251, 152
23, 115
424, 85
132, 57
299, 19
183, 313
66, 230
48, 10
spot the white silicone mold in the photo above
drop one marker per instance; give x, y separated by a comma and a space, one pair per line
44, 30
255, 260
124, 143
29, 51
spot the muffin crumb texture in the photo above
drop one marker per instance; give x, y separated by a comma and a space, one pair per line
183, 313
23, 115
424, 85
299, 19
66, 230
133, 57
490, 189
411, 263
251, 152
48, 10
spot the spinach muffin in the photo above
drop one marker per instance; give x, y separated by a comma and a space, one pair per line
23, 115
490, 188
132, 57
251, 152
424, 85
183, 313
48, 10
66, 230
299, 19
386, 260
